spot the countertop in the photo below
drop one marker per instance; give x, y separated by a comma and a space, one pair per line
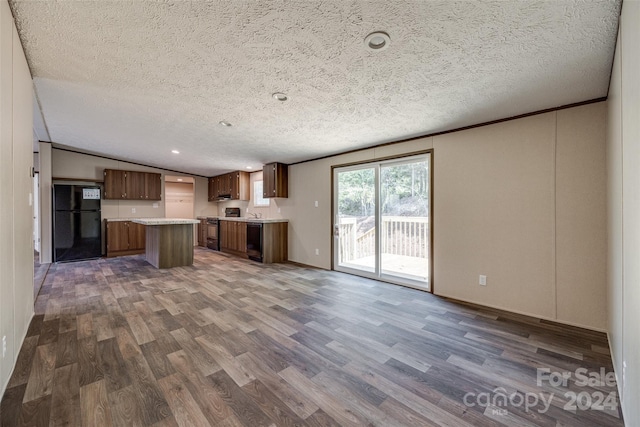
164, 221
247, 219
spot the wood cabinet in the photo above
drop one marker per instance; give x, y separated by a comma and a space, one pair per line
124, 238
114, 184
275, 180
213, 188
233, 237
275, 242
153, 186
230, 186
202, 233
131, 185
134, 185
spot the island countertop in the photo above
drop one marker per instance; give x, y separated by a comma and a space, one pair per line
164, 221
247, 219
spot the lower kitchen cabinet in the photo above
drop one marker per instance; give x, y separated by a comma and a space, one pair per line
275, 242
233, 237
124, 238
269, 246
202, 233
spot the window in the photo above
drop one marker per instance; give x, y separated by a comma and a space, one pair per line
258, 200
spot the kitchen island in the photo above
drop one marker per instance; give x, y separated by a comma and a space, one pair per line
169, 241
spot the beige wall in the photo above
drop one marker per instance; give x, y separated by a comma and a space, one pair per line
581, 215
16, 160
522, 202
46, 227
623, 173
494, 215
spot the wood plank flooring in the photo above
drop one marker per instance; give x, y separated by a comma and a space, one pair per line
230, 342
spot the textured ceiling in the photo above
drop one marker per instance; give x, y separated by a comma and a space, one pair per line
136, 79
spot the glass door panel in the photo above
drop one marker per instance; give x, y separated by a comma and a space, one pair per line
355, 219
404, 220
382, 223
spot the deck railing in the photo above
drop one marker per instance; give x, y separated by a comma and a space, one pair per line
400, 235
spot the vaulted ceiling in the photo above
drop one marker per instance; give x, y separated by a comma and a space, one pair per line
137, 79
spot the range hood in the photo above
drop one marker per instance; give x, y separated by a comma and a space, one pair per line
223, 197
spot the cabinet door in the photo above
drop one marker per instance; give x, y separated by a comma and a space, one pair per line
137, 236
210, 189
153, 186
114, 184
135, 185
234, 185
268, 180
275, 180
117, 236
224, 185
224, 234
241, 237
202, 233
243, 186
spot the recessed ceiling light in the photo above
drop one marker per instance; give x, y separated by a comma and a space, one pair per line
377, 41
175, 151
249, 167
280, 96
179, 179
223, 123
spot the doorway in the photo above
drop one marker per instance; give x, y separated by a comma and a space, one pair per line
179, 196
382, 220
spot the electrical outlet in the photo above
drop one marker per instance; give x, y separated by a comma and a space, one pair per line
482, 281
317, 251
247, 210
278, 210
316, 203
155, 205
4, 346
133, 210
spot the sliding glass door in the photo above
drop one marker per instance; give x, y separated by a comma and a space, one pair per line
382, 221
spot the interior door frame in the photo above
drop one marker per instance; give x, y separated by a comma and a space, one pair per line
377, 161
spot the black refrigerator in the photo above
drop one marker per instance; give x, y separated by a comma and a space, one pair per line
77, 231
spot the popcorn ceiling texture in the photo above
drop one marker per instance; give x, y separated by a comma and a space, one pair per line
135, 79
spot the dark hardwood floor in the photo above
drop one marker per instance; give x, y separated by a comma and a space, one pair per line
229, 342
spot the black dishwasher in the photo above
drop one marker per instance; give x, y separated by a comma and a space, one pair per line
254, 241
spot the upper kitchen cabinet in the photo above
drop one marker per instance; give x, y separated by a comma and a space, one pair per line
153, 186
230, 186
114, 184
134, 184
214, 182
240, 185
130, 185
275, 180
